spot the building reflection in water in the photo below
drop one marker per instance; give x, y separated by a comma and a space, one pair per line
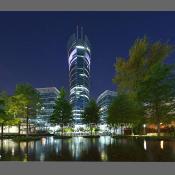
13, 151
86, 149
104, 156
43, 141
42, 157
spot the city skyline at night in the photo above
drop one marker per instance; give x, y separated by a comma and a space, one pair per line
87, 86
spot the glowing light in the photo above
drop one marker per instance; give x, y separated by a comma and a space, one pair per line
72, 60
71, 55
161, 144
145, 147
88, 49
84, 96
80, 125
78, 88
78, 114
80, 47
83, 75
76, 110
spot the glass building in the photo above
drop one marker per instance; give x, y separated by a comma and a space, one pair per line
103, 101
79, 57
48, 97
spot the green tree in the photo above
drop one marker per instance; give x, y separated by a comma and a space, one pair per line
142, 56
15, 107
30, 100
4, 118
91, 115
124, 111
157, 91
139, 65
62, 114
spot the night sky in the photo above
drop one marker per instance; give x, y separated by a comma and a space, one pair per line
33, 45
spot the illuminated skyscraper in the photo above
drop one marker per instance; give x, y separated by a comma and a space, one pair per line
79, 57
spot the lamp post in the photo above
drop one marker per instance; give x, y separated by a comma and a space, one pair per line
144, 129
27, 119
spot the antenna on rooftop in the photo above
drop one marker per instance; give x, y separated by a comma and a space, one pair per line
81, 33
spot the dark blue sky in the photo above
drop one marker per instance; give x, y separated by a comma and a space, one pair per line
33, 45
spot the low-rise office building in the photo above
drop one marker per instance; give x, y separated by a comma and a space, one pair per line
48, 97
103, 101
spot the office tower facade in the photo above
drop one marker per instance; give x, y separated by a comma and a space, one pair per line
79, 58
103, 101
48, 97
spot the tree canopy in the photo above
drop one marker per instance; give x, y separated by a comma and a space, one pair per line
124, 110
142, 56
91, 113
62, 113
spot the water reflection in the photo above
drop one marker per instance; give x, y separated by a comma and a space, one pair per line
144, 144
13, 151
104, 148
161, 144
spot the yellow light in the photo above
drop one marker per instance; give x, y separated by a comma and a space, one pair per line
161, 144
145, 147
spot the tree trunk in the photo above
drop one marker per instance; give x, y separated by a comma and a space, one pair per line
158, 119
158, 128
132, 133
62, 130
2, 148
35, 129
121, 129
19, 128
115, 131
27, 131
91, 129
2, 130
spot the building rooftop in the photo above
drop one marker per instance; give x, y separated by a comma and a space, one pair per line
105, 93
48, 89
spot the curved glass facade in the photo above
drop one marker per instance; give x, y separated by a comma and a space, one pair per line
104, 100
79, 57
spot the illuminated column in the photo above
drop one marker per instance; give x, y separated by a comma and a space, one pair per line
79, 57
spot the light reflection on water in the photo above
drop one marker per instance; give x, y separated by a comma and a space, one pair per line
161, 144
104, 148
144, 142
